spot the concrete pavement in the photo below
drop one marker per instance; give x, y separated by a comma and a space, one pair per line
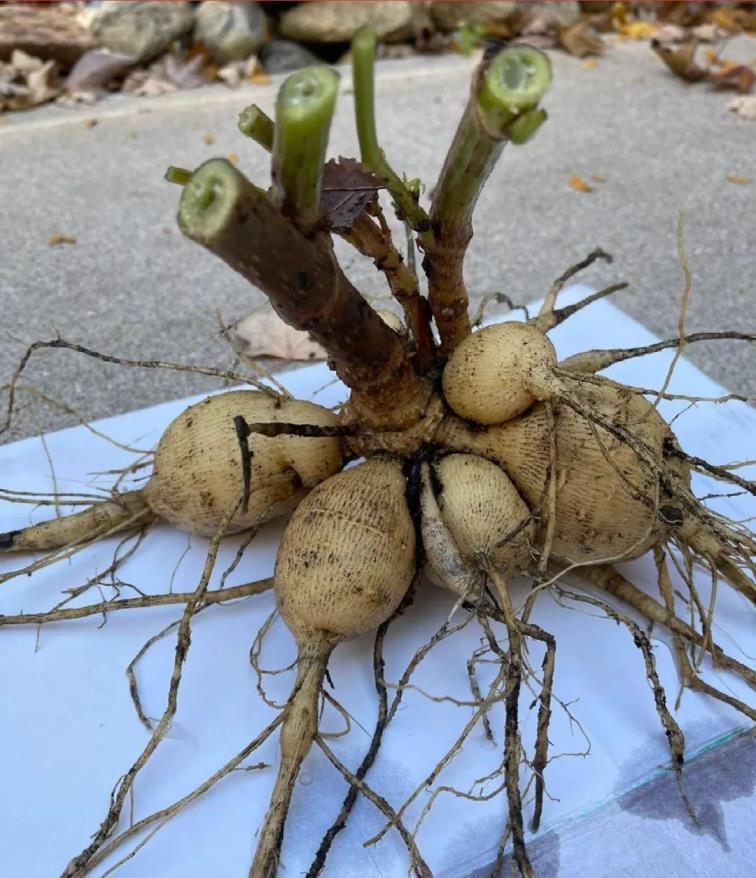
132, 286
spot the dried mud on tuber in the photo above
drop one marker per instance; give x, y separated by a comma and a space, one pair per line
477, 458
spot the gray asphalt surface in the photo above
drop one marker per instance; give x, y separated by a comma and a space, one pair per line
132, 286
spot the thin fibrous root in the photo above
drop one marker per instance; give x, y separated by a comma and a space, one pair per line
105, 516
689, 678
600, 359
156, 600
165, 814
79, 865
550, 298
607, 578
418, 864
369, 758
545, 322
60, 343
675, 735
512, 744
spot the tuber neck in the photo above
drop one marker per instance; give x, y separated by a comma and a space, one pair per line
298, 732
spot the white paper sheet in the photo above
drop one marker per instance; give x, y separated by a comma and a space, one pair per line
69, 730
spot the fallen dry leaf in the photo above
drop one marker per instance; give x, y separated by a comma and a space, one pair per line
681, 61
579, 184
235, 72
581, 40
266, 336
589, 64
346, 191
637, 30
671, 33
734, 76
741, 181
27, 81
744, 106
165, 75
726, 19
60, 238
707, 33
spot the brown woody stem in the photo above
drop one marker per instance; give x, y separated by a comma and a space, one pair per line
370, 240
232, 218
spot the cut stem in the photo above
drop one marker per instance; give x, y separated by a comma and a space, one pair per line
232, 218
303, 120
502, 107
258, 126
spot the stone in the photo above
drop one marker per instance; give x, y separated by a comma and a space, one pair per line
49, 34
547, 17
230, 31
449, 16
143, 30
280, 56
337, 22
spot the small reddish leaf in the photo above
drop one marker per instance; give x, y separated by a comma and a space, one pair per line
346, 191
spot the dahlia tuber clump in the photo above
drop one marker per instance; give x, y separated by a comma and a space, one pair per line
483, 457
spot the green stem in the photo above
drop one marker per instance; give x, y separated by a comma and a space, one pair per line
304, 110
373, 157
180, 176
502, 107
258, 126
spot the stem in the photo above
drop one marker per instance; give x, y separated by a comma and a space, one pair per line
373, 157
502, 107
300, 726
375, 242
257, 125
303, 119
232, 218
180, 176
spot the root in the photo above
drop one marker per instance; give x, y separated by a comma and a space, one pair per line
78, 866
418, 864
382, 721
165, 814
545, 322
675, 736
104, 517
156, 600
550, 300
600, 359
607, 578
512, 745
689, 678
60, 343
299, 730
